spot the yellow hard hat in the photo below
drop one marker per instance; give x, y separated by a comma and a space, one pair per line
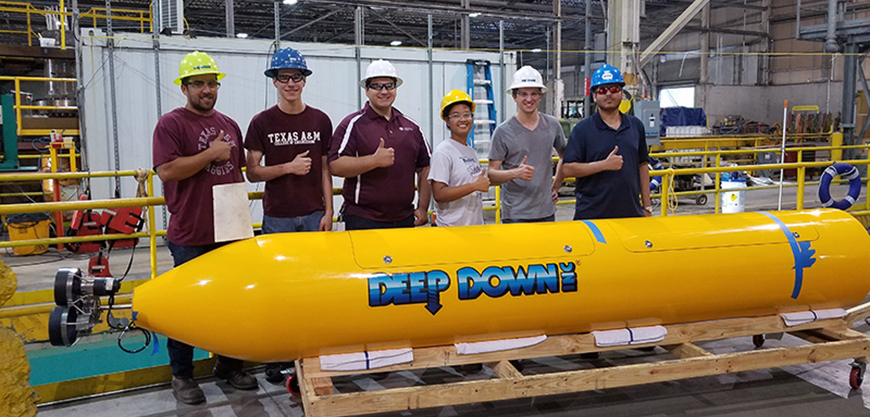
453, 97
197, 63
625, 106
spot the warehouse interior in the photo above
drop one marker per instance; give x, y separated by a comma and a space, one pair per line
773, 92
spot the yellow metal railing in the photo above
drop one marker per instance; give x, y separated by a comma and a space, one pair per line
143, 17
718, 169
19, 107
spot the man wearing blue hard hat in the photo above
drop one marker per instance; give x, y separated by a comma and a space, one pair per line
293, 137
608, 156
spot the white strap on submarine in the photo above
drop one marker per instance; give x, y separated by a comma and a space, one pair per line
498, 345
366, 360
629, 336
802, 317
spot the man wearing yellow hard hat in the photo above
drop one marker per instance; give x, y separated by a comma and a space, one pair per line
455, 174
195, 147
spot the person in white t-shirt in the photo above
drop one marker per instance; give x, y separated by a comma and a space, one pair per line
455, 173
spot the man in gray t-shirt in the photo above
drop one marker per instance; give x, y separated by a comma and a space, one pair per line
521, 157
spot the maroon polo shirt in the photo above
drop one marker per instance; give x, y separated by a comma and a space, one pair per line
280, 137
382, 194
182, 132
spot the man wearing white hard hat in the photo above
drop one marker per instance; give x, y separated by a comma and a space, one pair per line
382, 156
521, 157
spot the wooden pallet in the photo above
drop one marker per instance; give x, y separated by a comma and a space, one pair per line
831, 339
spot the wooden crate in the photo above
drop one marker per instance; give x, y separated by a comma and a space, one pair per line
829, 340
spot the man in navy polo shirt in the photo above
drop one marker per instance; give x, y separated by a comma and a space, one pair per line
379, 152
607, 153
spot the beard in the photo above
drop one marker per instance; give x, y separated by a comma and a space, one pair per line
203, 102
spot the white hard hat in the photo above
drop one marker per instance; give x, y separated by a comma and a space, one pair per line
378, 69
527, 77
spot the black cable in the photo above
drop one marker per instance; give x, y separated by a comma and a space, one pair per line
133, 327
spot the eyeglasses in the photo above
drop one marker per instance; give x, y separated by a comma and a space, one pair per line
285, 78
460, 116
613, 89
533, 94
214, 85
381, 86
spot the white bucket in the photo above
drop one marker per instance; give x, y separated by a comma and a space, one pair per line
732, 201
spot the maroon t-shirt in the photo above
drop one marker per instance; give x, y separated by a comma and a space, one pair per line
280, 137
182, 132
382, 194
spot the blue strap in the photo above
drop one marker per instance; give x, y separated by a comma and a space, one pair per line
156, 344
797, 253
368, 364
595, 231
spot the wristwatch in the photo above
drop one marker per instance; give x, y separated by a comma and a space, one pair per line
648, 208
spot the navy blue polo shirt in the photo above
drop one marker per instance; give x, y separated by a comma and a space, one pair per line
608, 194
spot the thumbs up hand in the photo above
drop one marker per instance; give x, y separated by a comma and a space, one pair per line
613, 162
300, 165
525, 172
384, 157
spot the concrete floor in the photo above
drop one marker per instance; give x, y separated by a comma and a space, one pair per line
807, 390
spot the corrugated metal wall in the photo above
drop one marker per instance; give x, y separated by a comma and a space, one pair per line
246, 91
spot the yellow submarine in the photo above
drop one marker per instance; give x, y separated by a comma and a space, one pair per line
280, 297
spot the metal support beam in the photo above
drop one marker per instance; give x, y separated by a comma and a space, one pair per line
866, 90
501, 64
465, 38
277, 24
587, 58
558, 88
671, 31
231, 26
430, 37
358, 31
405, 32
300, 27
705, 45
850, 67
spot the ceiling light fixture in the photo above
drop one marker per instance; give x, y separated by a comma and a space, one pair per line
290, 2
536, 50
473, 15
395, 43
241, 35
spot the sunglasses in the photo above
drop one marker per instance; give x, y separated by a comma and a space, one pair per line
285, 78
613, 89
214, 85
381, 86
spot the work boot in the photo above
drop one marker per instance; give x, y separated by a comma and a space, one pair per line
274, 372
238, 378
187, 390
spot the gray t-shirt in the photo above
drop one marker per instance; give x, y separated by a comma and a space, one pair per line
511, 142
455, 164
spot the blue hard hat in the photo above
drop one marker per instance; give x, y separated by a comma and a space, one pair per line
607, 74
287, 58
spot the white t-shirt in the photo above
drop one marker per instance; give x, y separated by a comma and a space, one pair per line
456, 164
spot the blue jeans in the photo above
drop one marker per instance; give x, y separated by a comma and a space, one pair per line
181, 354
308, 223
550, 218
362, 223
